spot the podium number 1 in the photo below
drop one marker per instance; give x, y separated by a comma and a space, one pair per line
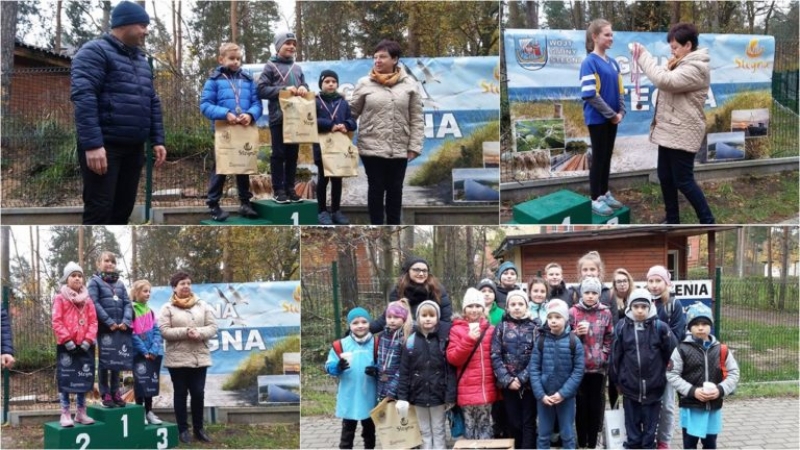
83, 440
124, 420
162, 433
295, 218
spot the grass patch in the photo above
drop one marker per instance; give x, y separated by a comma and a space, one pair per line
463, 153
269, 362
767, 390
251, 436
318, 392
765, 352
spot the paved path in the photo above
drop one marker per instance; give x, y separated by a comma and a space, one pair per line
752, 423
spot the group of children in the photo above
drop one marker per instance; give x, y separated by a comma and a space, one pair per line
513, 356
231, 94
84, 317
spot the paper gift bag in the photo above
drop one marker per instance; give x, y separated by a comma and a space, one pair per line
614, 434
235, 149
299, 118
115, 350
392, 430
339, 155
75, 370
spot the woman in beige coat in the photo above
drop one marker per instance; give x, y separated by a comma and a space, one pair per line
186, 324
390, 131
679, 123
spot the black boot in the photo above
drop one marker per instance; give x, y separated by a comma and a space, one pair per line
217, 213
246, 210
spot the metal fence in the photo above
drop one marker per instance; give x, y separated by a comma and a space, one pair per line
764, 338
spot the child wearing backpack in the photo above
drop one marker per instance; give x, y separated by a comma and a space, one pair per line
592, 323
669, 311
390, 343
350, 359
556, 369
640, 351
512, 345
703, 372
427, 381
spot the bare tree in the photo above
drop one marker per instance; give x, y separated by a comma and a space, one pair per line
532, 13
234, 22
8, 11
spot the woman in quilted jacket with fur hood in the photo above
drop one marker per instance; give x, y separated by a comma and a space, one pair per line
679, 123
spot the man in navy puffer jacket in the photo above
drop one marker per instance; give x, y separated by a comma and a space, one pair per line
116, 111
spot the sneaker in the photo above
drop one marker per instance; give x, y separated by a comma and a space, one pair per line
153, 419
339, 218
246, 210
66, 419
118, 400
83, 418
600, 207
611, 201
664, 445
280, 197
108, 402
217, 213
324, 218
293, 197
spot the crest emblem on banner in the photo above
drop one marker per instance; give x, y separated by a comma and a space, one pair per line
531, 52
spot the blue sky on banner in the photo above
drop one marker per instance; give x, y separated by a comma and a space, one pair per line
250, 317
460, 94
544, 65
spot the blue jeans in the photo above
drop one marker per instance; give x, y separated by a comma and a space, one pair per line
676, 173
641, 422
283, 162
109, 381
80, 399
565, 413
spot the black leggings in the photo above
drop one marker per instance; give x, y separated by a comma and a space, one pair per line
322, 187
602, 138
689, 441
349, 433
589, 409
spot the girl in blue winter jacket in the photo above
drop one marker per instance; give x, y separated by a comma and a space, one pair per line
148, 345
352, 359
390, 344
230, 94
333, 115
512, 344
114, 316
556, 372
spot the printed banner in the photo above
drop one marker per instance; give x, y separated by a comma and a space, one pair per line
547, 112
459, 95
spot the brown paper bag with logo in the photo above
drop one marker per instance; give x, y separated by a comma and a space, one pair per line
299, 118
235, 148
339, 155
393, 431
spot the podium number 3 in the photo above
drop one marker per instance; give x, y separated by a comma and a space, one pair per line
124, 420
83, 440
162, 433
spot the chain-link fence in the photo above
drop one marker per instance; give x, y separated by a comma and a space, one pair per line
762, 333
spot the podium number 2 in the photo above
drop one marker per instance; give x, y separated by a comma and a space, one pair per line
162, 433
124, 420
83, 440
295, 218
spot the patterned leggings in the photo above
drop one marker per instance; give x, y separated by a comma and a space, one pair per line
478, 421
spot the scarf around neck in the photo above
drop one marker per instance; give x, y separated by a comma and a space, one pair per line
330, 97
78, 298
183, 303
109, 277
386, 79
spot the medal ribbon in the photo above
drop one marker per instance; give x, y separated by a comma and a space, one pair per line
283, 77
236, 92
333, 114
113, 291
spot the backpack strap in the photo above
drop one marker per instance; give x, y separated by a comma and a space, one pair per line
723, 358
375, 346
337, 347
573, 343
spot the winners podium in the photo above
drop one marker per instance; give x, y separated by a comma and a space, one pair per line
113, 428
272, 213
565, 208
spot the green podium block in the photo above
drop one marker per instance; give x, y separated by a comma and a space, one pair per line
236, 220
303, 213
161, 436
559, 208
621, 216
78, 437
124, 426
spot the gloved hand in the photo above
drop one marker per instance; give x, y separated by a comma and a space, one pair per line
85, 346
342, 365
402, 408
70, 346
371, 371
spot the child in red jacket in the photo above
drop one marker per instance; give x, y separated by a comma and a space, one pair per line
75, 326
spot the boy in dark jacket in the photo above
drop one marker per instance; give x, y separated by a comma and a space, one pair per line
640, 352
507, 276
427, 381
230, 94
333, 114
556, 372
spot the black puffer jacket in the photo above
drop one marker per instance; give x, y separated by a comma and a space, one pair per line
115, 101
561, 292
426, 379
512, 344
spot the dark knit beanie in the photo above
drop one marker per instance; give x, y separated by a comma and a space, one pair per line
413, 260
326, 74
128, 13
